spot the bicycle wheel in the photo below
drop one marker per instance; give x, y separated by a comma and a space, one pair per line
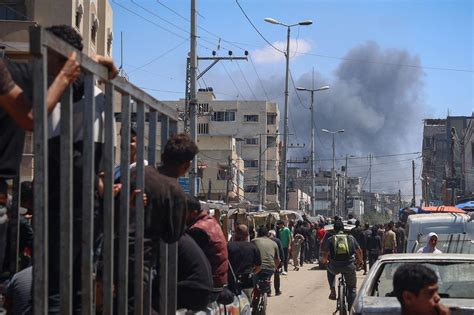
341, 300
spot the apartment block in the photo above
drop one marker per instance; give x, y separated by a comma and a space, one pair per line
255, 127
93, 19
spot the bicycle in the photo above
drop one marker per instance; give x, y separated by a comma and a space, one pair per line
259, 296
341, 302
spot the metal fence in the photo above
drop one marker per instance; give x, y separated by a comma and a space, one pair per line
148, 111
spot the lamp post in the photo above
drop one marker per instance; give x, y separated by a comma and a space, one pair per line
333, 171
312, 90
285, 137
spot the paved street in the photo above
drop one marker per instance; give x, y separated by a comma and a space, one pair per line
305, 292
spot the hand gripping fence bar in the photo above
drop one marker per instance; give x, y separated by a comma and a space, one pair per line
80, 283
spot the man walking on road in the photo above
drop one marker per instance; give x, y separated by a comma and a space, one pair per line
389, 240
359, 235
339, 250
284, 234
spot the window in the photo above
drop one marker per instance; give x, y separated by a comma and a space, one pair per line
223, 116
272, 188
250, 118
110, 38
250, 188
222, 174
251, 141
271, 141
428, 143
251, 163
79, 14
94, 29
271, 119
203, 129
203, 108
12, 11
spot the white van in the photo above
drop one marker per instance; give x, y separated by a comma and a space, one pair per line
454, 232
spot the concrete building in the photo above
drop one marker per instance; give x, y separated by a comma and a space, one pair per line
445, 145
298, 200
93, 19
221, 169
435, 152
469, 159
255, 125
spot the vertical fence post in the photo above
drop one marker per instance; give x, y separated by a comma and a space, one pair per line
108, 218
152, 122
66, 203
14, 224
139, 210
122, 272
165, 308
40, 223
87, 291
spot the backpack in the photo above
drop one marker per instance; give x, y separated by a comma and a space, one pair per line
341, 247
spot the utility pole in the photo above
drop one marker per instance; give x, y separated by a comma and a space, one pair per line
413, 203
370, 182
193, 95
399, 199
229, 177
285, 124
260, 192
345, 188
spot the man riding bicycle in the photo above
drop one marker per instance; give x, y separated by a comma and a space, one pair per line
339, 250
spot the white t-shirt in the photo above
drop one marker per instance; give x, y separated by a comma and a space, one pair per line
78, 119
428, 249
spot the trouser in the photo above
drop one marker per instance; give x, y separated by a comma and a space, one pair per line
373, 258
308, 254
349, 273
302, 252
285, 259
295, 252
276, 281
364, 259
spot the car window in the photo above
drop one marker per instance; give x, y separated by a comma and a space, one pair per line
455, 279
451, 243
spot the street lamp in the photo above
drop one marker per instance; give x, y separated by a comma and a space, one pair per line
312, 90
285, 137
333, 173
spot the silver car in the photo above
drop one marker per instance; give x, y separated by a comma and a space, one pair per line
455, 279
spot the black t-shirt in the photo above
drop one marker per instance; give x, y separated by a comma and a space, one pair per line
359, 235
243, 256
12, 136
328, 245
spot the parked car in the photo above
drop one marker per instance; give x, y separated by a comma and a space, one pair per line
455, 273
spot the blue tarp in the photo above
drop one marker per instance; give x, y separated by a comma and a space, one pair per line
466, 205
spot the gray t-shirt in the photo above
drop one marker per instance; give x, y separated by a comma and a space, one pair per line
268, 252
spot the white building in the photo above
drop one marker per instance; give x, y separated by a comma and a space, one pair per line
255, 126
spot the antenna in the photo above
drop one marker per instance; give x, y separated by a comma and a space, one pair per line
121, 50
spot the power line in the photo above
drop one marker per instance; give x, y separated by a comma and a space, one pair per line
159, 57
159, 17
256, 29
247, 82
258, 76
232, 80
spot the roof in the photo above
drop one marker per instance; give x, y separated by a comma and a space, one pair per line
425, 257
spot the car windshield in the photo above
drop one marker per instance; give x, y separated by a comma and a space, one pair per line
454, 279
451, 243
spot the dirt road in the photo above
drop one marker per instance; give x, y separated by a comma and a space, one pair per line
305, 292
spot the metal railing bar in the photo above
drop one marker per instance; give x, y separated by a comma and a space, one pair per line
87, 63
152, 124
66, 203
40, 223
14, 224
108, 218
139, 210
87, 291
141, 96
165, 309
172, 278
122, 272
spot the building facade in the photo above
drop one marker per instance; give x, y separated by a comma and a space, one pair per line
221, 169
93, 19
255, 126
